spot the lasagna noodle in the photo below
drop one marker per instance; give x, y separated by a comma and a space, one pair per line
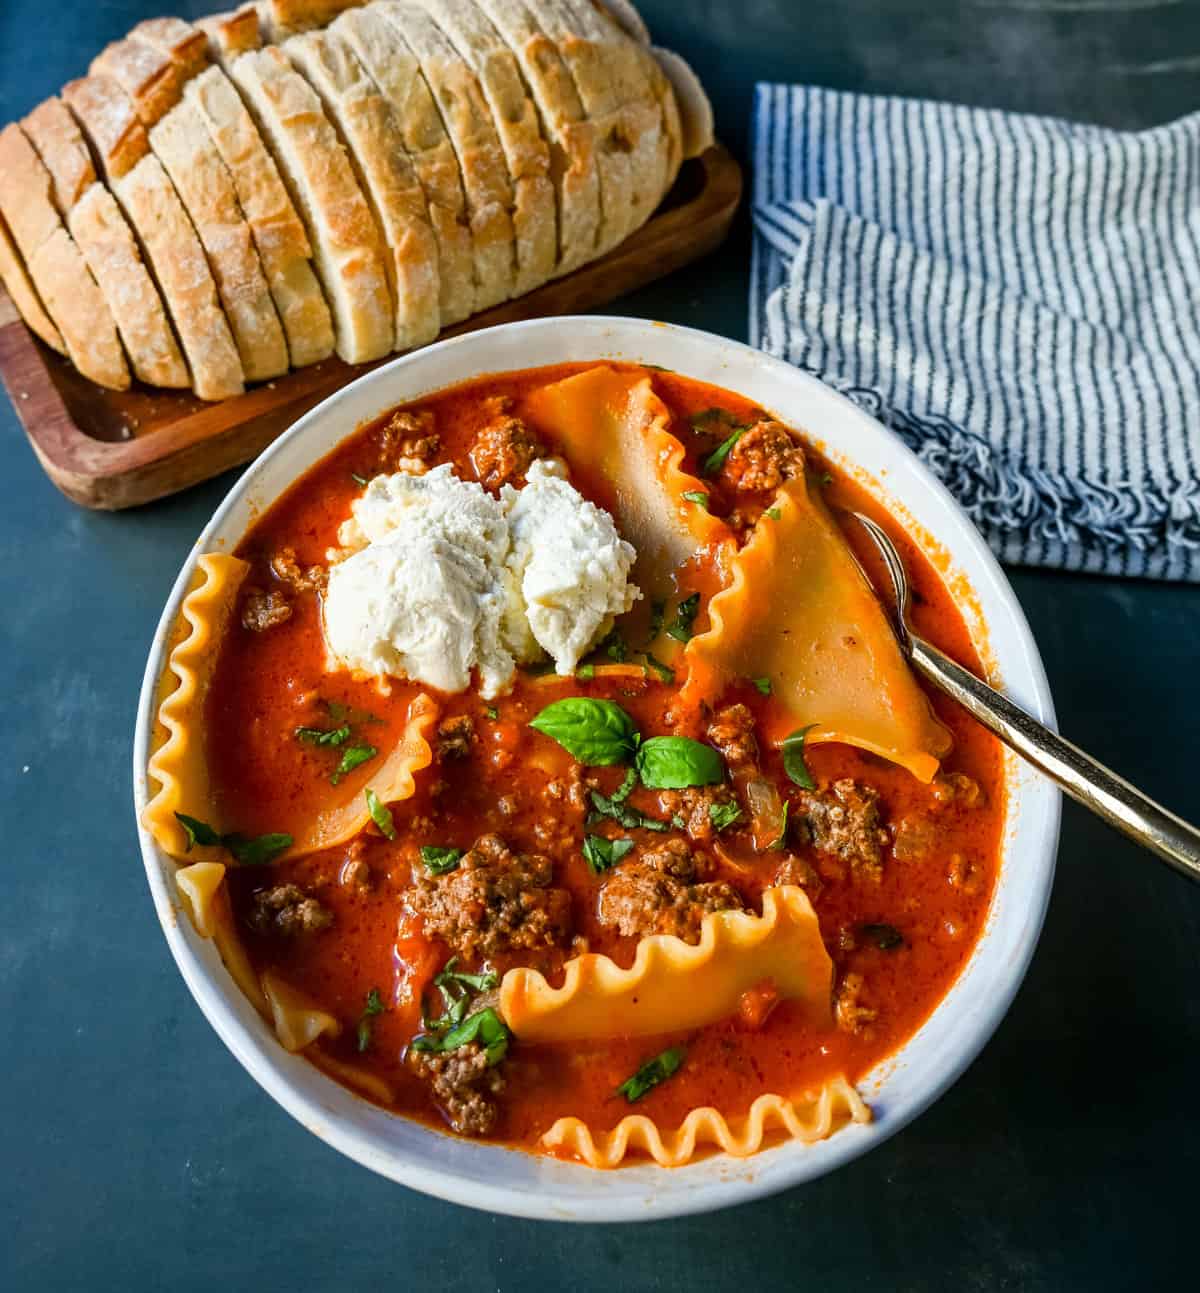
672, 985
808, 1118
612, 425
206, 900
298, 1020
799, 611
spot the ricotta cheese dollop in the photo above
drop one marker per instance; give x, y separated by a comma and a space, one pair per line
442, 578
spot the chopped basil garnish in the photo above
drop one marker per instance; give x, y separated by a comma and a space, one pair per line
793, 758
680, 627
585, 672
601, 854
885, 937
664, 671
492, 712
249, 852
357, 479
340, 713
439, 860
373, 1007
716, 460
762, 685
658, 611
381, 814
714, 421
698, 497
825, 478
723, 815
597, 732
676, 762
352, 756
483, 982
774, 513
615, 647
323, 735
485, 1026
678, 822
457, 989
652, 1073
780, 841
614, 806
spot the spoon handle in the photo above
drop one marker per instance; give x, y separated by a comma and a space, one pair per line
1081, 776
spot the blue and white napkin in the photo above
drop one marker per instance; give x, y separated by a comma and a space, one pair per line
1017, 297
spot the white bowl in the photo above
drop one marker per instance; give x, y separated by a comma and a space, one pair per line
507, 1181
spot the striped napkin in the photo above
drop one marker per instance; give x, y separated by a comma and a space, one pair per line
1017, 297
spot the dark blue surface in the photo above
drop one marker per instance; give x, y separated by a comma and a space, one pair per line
135, 1152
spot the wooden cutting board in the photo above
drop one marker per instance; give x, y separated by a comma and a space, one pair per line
109, 449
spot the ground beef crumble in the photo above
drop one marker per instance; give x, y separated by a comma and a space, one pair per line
263, 608
287, 909
503, 452
455, 737
763, 458
844, 822
407, 442
463, 1084
694, 807
852, 1016
665, 890
299, 579
494, 901
798, 871
732, 732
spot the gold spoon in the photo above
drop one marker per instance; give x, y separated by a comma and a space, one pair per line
1082, 777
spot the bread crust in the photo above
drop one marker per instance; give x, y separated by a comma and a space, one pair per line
55, 266
468, 122
386, 174
148, 76
23, 293
110, 121
393, 67
348, 248
231, 34
278, 231
186, 46
53, 132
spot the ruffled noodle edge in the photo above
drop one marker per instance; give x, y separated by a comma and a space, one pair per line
807, 1119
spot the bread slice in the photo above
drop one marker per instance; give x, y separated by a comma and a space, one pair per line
284, 18
53, 132
571, 136
182, 143
349, 250
383, 52
55, 266
627, 120
231, 34
149, 77
117, 137
278, 232
468, 122
168, 240
24, 294
103, 236
535, 221
385, 172
184, 45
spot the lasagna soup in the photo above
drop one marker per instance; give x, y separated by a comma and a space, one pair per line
547, 770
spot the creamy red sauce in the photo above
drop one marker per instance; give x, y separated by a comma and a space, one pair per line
266, 684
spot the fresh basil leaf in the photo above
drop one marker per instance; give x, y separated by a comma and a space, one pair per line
485, 1026
716, 460
658, 611
825, 478
723, 815
698, 497
197, 832
339, 713
885, 937
258, 851
615, 647
381, 814
664, 671
627, 786
676, 762
492, 712
585, 672
652, 1073
623, 814
774, 513
762, 685
714, 421
322, 735
780, 840
678, 822
602, 854
439, 860
352, 757
482, 982
357, 479
793, 758
373, 1007
596, 732
685, 616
